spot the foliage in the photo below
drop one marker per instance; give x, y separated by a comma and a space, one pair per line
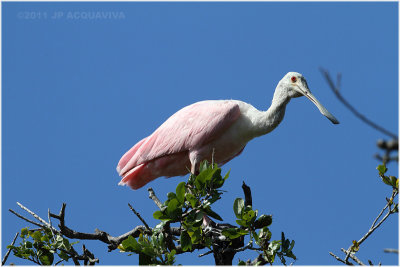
393, 182
151, 249
389, 180
391, 208
190, 206
185, 225
41, 246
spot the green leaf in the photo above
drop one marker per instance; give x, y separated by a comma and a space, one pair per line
227, 175
145, 259
241, 262
249, 215
37, 235
211, 213
265, 234
171, 195
274, 245
131, 245
233, 233
386, 180
393, 181
204, 177
45, 238
63, 255
186, 242
173, 209
171, 257
238, 206
218, 183
46, 258
196, 236
24, 232
262, 221
180, 192
199, 217
192, 200
203, 166
382, 169
291, 245
157, 214
149, 251
58, 242
242, 223
66, 244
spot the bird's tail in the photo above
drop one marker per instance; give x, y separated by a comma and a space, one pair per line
128, 155
137, 177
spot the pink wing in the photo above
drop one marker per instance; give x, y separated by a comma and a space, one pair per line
188, 129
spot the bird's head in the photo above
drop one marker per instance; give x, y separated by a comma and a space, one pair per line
295, 85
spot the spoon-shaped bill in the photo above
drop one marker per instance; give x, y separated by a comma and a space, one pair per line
321, 108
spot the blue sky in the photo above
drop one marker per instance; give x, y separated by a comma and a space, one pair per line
77, 93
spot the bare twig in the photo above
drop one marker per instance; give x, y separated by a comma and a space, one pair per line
153, 197
58, 262
35, 216
335, 89
353, 257
260, 260
140, 217
9, 250
204, 254
87, 257
380, 214
373, 227
377, 225
112, 241
339, 259
51, 226
25, 219
391, 250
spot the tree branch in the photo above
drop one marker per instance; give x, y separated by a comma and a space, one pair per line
153, 197
112, 242
140, 218
335, 89
353, 257
339, 259
35, 216
391, 250
25, 219
373, 227
9, 250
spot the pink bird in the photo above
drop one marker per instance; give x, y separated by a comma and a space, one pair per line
221, 128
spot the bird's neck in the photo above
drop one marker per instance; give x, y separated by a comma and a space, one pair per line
270, 119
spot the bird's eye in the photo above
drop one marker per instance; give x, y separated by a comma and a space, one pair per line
294, 79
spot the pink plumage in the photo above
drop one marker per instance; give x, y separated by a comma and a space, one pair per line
206, 129
178, 144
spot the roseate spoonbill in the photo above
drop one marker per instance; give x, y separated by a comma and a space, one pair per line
194, 132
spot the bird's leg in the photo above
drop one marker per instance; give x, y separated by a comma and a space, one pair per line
195, 169
194, 160
206, 220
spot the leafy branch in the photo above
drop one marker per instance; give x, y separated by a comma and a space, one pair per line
185, 224
390, 208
